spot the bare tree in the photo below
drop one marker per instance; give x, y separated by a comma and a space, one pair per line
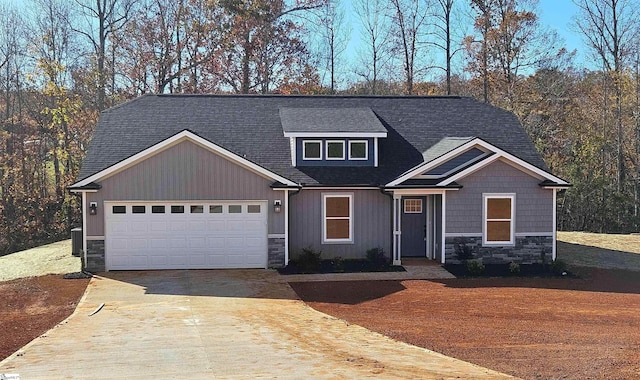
443, 13
375, 36
102, 18
409, 18
610, 28
334, 34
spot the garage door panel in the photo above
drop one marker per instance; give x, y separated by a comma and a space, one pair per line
223, 235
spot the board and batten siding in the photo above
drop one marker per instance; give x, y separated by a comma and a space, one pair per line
371, 223
534, 205
185, 172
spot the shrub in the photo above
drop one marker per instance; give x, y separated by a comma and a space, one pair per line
377, 258
338, 264
558, 266
309, 260
463, 252
475, 267
514, 268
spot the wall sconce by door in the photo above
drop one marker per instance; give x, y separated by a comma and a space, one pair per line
93, 208
277, 206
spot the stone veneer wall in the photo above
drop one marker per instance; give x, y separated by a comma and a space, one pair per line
527, 250
276, 253
95, 256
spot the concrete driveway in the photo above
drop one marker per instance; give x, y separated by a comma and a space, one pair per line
217, 324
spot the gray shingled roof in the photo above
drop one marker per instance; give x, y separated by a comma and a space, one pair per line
251, 126
330, 120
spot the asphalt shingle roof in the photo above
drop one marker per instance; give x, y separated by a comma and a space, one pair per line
330, 120
251, 126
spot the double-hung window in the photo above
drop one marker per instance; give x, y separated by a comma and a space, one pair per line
498, 219
337, 218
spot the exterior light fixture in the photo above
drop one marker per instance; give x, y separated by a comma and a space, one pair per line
93, 208
277, 206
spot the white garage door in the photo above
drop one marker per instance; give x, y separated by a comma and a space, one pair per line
185, 235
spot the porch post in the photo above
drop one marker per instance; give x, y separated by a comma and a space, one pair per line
555, 225
444, 225
397, 233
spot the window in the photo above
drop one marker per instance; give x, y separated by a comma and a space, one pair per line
215, 209
119, 209
312, 150
197, 209
157, 209
253, 209
138, 209
177, 209
499, 216
338, 218
358, 150
335, 150
235, 209
413, 206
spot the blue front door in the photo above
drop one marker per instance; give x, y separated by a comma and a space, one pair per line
414, 227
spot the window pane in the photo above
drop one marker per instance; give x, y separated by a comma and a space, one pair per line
119, 209
358, 150
311, 150
177, 209
335, 149
157, 209
253, 209
498, 231
235, 209
413, 206
197, 209
217, 209
138, 209
337, 206
338, 229
499, 208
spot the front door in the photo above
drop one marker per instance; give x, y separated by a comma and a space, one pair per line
414, 227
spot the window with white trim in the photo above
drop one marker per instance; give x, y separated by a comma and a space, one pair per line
498, 219
335, 150
358, 150
413, 206
337, 215
312, 150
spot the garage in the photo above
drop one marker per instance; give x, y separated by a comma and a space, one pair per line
185, 235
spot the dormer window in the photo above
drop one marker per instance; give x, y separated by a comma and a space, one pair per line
312, 150
358, 150
335, 150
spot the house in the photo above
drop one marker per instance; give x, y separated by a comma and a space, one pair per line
247, 181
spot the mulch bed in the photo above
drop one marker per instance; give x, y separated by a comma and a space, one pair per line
344, 266
31, 306
533, 328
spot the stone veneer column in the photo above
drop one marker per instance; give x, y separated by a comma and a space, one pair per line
276, 253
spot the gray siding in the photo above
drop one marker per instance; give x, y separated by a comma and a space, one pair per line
187, 172
534, 205
371, 224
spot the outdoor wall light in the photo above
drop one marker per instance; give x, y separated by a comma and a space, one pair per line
277, 206
93, 208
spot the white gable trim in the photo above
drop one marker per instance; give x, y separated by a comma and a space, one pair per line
335, 134
498, 153
509, 159
172, 141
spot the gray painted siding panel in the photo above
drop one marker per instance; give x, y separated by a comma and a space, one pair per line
371, 223
534, 205
185, 172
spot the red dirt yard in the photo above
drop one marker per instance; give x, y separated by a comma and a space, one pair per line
534, 328
31, 306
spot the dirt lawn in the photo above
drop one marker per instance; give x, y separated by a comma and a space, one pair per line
31, 306
533, 328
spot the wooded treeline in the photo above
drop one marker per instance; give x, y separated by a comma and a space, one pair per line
63, 61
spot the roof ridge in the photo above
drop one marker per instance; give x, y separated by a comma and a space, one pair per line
336, 96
